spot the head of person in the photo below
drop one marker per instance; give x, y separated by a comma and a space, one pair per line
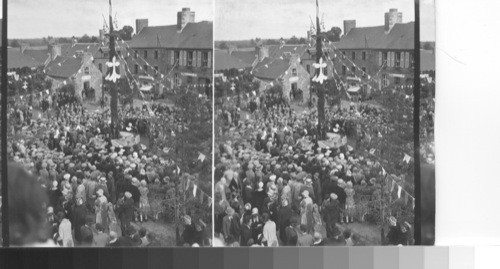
142, 232
347, 233
265, 217
27, 212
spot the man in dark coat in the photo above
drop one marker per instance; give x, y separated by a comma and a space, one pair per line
331, 215
80, 213
126, 211
284, 218
231, 225
246, 231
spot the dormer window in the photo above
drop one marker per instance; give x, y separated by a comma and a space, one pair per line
294, 71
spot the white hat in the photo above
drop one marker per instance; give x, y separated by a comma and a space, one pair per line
128, 194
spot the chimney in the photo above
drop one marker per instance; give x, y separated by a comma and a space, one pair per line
391, 18
184, 17
140, 24
349, 25
262, 52
55, 50
101, 35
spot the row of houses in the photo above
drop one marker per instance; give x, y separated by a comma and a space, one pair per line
378, 56
162, 57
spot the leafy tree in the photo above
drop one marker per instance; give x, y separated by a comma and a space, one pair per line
223, 46
126, 32
85, 39
293, 40
271, 42
15, 43
63, 40
334, 34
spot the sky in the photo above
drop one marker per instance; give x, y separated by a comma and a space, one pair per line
66, 18
238, 20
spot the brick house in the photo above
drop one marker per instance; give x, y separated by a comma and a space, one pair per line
385, 53
172, 55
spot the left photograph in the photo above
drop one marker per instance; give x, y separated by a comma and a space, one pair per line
110, 123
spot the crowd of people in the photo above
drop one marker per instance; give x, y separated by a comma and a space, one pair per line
276, 186
96, 188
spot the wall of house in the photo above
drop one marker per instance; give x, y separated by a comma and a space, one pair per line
165, 62
95, 78
372, 65
302, 79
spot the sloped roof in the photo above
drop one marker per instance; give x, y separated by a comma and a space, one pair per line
39, 55
245, 56
401, 37
427, 60
198, 35
226, 61
274, 69
16, 59
68, 67
68, 50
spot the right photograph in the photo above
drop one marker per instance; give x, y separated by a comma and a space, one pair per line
313, 125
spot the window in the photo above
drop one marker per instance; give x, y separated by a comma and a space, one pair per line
100, 67
364, 71
136, 69
344, 70
294, 87
145, 54
87, 70
308, 68
177, 79
177, 56
294, 71
189, 58
353, 70
353, 55
204, 59
145, 67
398, 59
411, 60
136, 54
156, 71
363, 55
118, 70
156, 55
325, 71
397, 80
384, 58
385, 80
106, 55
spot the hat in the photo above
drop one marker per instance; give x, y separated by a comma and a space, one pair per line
67, 176
187, 219
272, 177
128, 195
308, 180
100, 192
255, 211
144, 183
392, 221
333, 196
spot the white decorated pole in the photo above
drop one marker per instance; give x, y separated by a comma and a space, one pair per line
112, 76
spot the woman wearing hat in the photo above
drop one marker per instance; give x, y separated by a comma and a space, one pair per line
144, 207
350, 207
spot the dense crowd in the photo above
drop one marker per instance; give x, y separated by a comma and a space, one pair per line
277, 184
97, 188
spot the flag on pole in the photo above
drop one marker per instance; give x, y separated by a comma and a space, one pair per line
407, 158
201, 157
195, 188
399, 191
188, 182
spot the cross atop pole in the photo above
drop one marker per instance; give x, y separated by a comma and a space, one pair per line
112, 76
320, 77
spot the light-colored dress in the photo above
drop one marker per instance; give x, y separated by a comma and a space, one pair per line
349, 202
306, 213
269, 233
143, 200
